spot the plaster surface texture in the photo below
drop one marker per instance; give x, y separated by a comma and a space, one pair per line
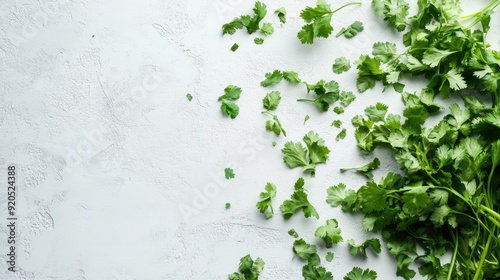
120, 177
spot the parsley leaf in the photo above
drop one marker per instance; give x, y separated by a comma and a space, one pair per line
265, 204
341, 65
231, 93
306, 252
346, 98
230, 109
298, 201
384, 51
312, 272
352, 30
329, 257
250, 22
291, 76
267, 29
330, 233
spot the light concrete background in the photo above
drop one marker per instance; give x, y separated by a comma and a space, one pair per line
121, 177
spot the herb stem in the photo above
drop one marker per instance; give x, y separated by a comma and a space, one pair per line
492, 5
479, 270
305, 100
343, 6
489, 210
453, 258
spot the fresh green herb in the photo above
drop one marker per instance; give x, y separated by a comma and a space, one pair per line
291, 76
228, 205
346, 98
352, 30
271, 102
341, 65
229, 173
318, 21
265, 204
329, 257
234, 47
267, 29
258, 41
394, 11
330, 233
298, 201
228, 108
189, 97
272, 78
306, 118
306, 252
312, 272
293, 233
338, 110
248, 269
274, 143
339, 196
360, 274
326, 94
281, 13
366, 169
250, 22
342, 134
360, 249
296, 155
337, 123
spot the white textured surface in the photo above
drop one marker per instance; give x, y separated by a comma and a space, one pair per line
111, 154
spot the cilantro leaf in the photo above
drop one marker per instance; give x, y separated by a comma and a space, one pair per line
267, 29
272, 78
342, 134
338, 195
231, 93
296, 155
229, 173
306, 252
189, 97
281, 13
337, 123
275, 126
230, 109
312, 272
376, 112
272, 100
394, 11
228, 205
293, 233
298, 201
329, 257
306, 118
291, 76
352, 30
330, 233
265, 204
355, 249
318, 21
384, 51
365, 169
249, 269
250, 22
359, 274
341, 65
346, 98
258, 41
338, 110
326, 94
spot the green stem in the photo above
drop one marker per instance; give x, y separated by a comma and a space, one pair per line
305, 100
489, 210
453, 259
492, 5
483, 258
343, 6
